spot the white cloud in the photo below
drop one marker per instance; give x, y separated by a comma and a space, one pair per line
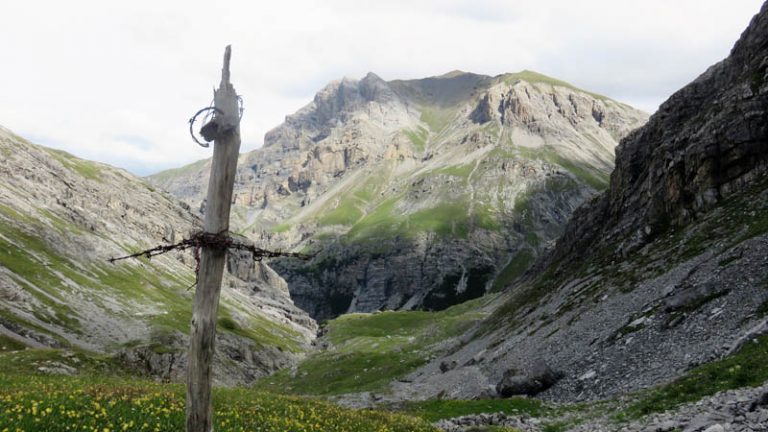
117, 81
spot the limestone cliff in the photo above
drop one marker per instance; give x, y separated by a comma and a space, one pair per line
419, 193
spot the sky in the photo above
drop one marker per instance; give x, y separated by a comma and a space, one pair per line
117, 82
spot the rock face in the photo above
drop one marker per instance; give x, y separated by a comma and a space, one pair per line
742, 410
706, 143
61, 218
665, 270
482, 422
422, 193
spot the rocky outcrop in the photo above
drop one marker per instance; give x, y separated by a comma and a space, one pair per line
664, 271
744, 410
535, 379
237, 361
706, 143
62, 218
490, 420
456, 181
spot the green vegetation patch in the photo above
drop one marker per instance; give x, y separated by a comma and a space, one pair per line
60, 224
346, 213
516, 267
736, 220
509, 313
260, 330
172, 173
227, 323
418, 138
430, 326
353, 203
49, 276
139, 286
36, 268
438, 119
485, 217
87, 169
369, 351
587, 174
524, 215
281, 228
369, 190
746, 368
382, 222
27, 363
372, 219
537, 78
8, 344
16, 216
446, 219
462, 171
34, 402
338, 373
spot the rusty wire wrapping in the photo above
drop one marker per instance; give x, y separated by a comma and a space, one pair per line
220, 241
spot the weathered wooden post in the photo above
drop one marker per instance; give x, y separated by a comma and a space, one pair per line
225, 128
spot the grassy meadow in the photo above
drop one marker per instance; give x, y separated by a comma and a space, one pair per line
31, 403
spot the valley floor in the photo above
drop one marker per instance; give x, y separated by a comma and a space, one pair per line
59, 390
97, 401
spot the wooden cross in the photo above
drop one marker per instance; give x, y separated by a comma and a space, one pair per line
225, 130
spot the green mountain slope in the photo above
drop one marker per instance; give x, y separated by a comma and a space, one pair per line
61, 218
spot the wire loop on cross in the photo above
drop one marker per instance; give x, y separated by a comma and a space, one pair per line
210, 110
194, 119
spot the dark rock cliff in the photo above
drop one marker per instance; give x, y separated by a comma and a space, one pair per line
707, 142
664, 271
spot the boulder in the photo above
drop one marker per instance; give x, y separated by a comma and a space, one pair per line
446, 366
692, 297
537, 378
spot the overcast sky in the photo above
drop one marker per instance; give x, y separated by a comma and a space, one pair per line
117, 81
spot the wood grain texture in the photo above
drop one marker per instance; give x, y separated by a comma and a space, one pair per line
203, 327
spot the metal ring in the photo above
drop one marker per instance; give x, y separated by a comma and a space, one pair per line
194, 118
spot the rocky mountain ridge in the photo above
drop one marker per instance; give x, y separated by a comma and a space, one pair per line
61, 218
458, 181
664, 271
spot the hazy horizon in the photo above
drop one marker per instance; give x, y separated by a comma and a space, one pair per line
117, 83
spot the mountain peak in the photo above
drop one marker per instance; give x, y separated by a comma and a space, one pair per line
371, 76
533, 77
453, 74
401, 162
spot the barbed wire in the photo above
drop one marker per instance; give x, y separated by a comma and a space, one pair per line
220, 241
